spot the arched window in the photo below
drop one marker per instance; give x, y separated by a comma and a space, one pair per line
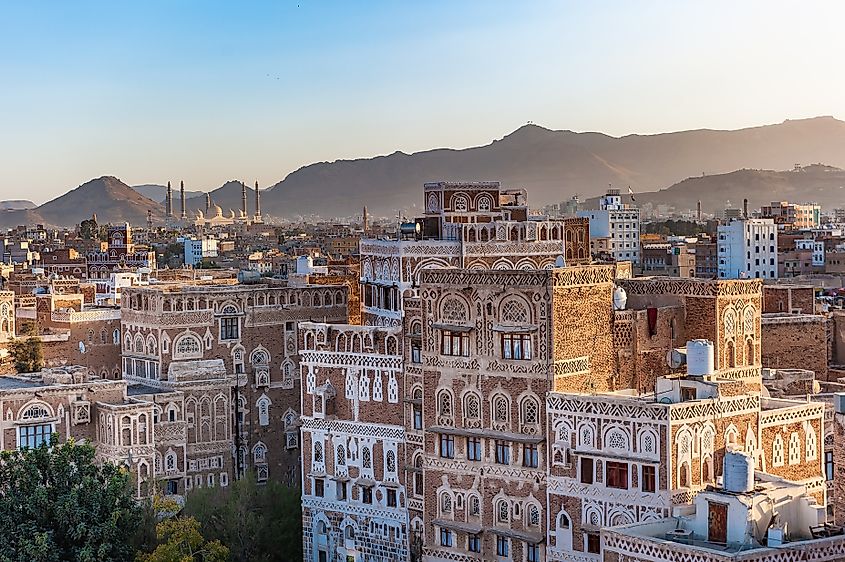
263, 405
502, 512
530, 411
472, 406
391, 462
563, 532
259, 452
748, 320
366, 458
318, 452
474, 505
454, 310
533, 518
187, 346
794, 449
501, 410
460, 204
810, 444
514, 311
445, 502
444, 403
484, 203
587, 437
617, 439
341, 455
730, 323
777, 450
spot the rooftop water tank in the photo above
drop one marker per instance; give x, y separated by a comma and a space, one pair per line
738, 472
304, 265
620, 298
700, 358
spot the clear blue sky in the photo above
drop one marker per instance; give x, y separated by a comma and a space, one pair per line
208, 91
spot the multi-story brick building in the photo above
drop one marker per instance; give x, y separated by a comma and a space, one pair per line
475, 225
538, 407
243, 337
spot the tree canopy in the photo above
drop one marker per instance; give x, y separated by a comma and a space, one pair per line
180, 540
259, 523
27, 354
58, 505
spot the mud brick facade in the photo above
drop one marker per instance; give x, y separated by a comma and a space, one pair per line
248, 400
789, 299
796, 341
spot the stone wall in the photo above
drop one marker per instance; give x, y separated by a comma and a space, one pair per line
796, 341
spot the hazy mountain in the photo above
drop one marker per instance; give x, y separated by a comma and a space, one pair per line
816, 183
16, 205
553, 165
159, 192
107, 197
550, 165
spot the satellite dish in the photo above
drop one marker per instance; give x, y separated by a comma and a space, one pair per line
81, 347
675, 358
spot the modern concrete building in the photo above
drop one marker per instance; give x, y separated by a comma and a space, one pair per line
748, 249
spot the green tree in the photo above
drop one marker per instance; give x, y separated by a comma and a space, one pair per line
252, 520
57, 505
180, 540
27, 353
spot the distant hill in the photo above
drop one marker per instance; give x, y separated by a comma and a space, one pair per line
159, 192
107, 197
820, 184
551, 165
554, 165
16, 205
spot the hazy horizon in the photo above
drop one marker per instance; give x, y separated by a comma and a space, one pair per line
208, 92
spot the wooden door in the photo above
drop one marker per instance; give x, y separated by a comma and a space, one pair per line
717, 528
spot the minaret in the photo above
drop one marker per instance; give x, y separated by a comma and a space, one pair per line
257, 203
366, 220
699, 210
207, 203
168, 202
182, 195
243, 199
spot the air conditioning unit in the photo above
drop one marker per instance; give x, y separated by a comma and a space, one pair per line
839, 402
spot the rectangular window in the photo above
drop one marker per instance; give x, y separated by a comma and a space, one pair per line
617, 475
530, 455
474, 543
445, 537
416, 352
586, 471
366, 494
532, 553
473, 449
33, 436
455, 344
228, 328
391, 498
649, 479
418, 417
593, 543
828, 464
447, 446
503, 452
516, 346
502, 546
319, 487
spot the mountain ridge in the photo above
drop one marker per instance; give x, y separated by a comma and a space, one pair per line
552, 165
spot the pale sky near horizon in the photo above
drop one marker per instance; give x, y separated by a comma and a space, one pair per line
209, 91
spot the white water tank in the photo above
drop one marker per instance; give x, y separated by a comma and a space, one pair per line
620, 298
701, 358
738, 472
304, 265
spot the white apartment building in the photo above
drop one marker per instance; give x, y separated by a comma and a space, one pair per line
817, 247
198, 248
619, 223
747, 248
